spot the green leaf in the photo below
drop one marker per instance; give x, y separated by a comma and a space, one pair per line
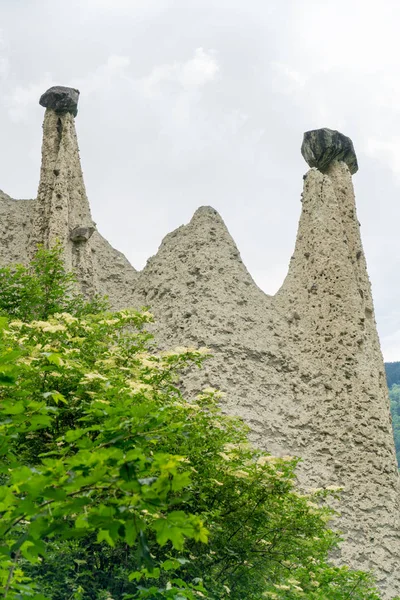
81, 522
144, 550
127, 471
152, 573
15, 408
57, 397
31, 550
171, 564
39, 527
135, 576
74, 434
54, 493
55, 359
174, 528
131, 532
104, 536
180, 480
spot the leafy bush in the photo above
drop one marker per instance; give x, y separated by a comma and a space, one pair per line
114, 486
43, 289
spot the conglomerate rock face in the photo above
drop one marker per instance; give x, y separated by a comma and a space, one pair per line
303, 368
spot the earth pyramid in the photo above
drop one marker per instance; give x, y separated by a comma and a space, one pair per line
303, 368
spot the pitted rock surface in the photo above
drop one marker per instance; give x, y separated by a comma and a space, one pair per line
303, 368
321, 147
61, 99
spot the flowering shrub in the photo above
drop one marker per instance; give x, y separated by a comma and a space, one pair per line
114, 486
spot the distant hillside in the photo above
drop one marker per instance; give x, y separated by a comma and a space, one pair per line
392, 373
393, 381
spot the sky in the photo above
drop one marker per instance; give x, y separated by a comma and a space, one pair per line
204, 102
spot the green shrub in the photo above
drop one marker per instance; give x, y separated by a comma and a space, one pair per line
43, 288
114, 486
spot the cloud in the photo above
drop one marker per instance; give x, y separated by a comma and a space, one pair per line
4, 60
286, 78
194, 73
4, 67
391, 344
138, 8
386, 151
190, 75
20, 101
103, 76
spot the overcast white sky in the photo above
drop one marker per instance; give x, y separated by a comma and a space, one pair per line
192, 102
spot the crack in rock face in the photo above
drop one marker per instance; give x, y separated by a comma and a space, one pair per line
61, 99
321, 147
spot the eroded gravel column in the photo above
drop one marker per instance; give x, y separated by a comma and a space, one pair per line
62, 210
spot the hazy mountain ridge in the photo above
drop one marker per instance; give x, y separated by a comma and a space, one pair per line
392, 370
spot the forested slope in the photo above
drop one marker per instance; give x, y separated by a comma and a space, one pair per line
393, 381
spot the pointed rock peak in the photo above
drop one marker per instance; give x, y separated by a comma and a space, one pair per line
203, 247
198, 274
207, 211
205, 229
321, 147
207, 214
61, 99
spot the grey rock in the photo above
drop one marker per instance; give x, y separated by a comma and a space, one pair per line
321, 147
81, 234
61, 99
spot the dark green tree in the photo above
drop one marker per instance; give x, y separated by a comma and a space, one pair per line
392, 373
394, 395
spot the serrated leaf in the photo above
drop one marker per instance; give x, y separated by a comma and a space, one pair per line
55, 359
130, 532
171, 564
74, 434
81, 522
58, 397
104, 536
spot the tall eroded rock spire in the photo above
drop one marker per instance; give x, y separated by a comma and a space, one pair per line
348, 440
62, 209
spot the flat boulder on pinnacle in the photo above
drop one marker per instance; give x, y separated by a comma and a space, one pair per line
61, 99
321, 147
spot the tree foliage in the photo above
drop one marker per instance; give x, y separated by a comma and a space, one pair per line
116, 486
394, 395
393, 381
392, 370
43, 288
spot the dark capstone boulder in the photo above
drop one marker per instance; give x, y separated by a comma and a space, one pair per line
81, 234
321, 147
61, 99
